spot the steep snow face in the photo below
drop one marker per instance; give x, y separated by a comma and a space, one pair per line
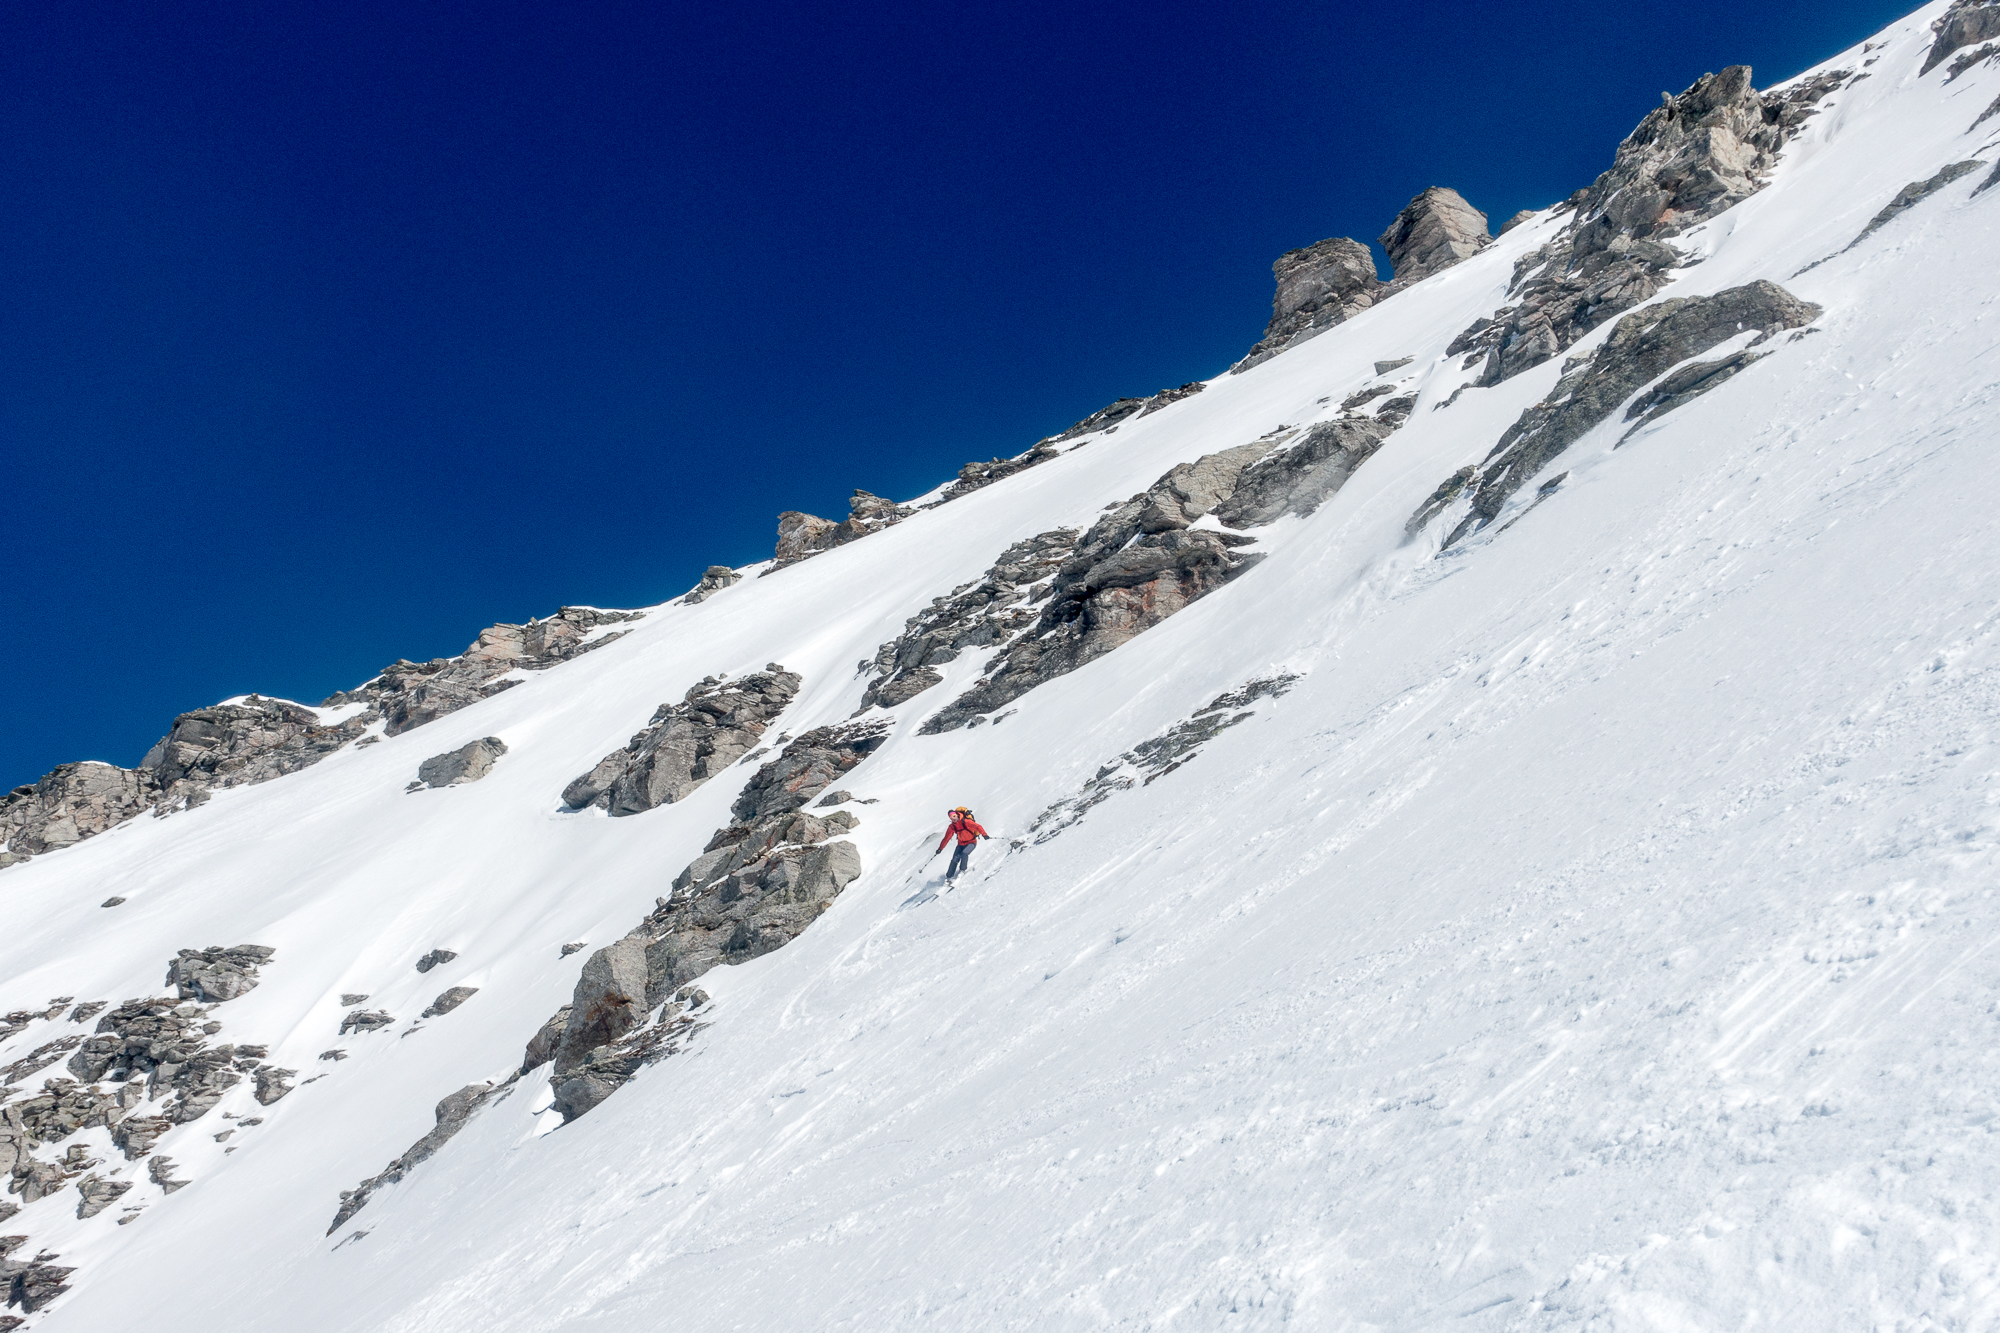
1599, 932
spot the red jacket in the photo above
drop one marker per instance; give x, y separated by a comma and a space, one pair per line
966, 830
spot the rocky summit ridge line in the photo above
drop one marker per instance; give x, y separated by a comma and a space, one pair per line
1517, 908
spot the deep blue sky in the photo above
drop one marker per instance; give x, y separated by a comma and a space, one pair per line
333, 333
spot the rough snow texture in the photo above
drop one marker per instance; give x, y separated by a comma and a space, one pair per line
1597, 935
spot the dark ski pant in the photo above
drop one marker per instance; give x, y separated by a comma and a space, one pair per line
961, 859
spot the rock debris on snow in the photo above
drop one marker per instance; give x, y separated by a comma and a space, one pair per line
683, 745
450, 1000
255, 740
468, 763
1642, 347
713, 581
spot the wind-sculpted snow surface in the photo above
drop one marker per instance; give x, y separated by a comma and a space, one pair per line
1596, 935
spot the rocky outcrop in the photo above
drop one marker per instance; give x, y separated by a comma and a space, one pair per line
1915, 193
985, 612
1297, 478
160, 1170
716, 723
409, 694
451, 1114
435, 958
1331, 282
762, 881
71, 803
1160, 755
976, 476
96, 1193
610, 1001
1103, 419
1319, 286
234, 745
1966, 22
801, 536
144, 1051
1434, 231
273, 1084
215, 974
450, 1000
468, 763
541, 1047
366, 1020
254, 739
34, 1285
1108, 419
1137, 565
1168, 397
1643, 347
38, 1059
1691, 158
712, 582
1525, 215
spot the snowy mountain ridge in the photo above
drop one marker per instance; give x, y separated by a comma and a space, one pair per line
1493, 810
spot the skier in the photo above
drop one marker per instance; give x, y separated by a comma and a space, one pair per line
967, 832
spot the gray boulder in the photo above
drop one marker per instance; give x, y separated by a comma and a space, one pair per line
1691, 158
468, 763
160, 1170
38, 1283
435, 958
452, 1114
804, 535
450, 1000
541, 1047
985, 612
801, 534
1135, 567
609, 1001
1966, 22
273, 1084
1434, 231
684, 745
214, 975
1298, 478
712, 582
71, 803
1319, 286
366, 1020
1168, 397
96, 1193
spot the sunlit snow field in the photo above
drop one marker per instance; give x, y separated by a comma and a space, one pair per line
1602, 932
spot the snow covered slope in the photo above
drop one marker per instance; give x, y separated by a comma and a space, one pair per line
1600, 933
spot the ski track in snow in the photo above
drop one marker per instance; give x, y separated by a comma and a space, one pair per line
1600, 935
